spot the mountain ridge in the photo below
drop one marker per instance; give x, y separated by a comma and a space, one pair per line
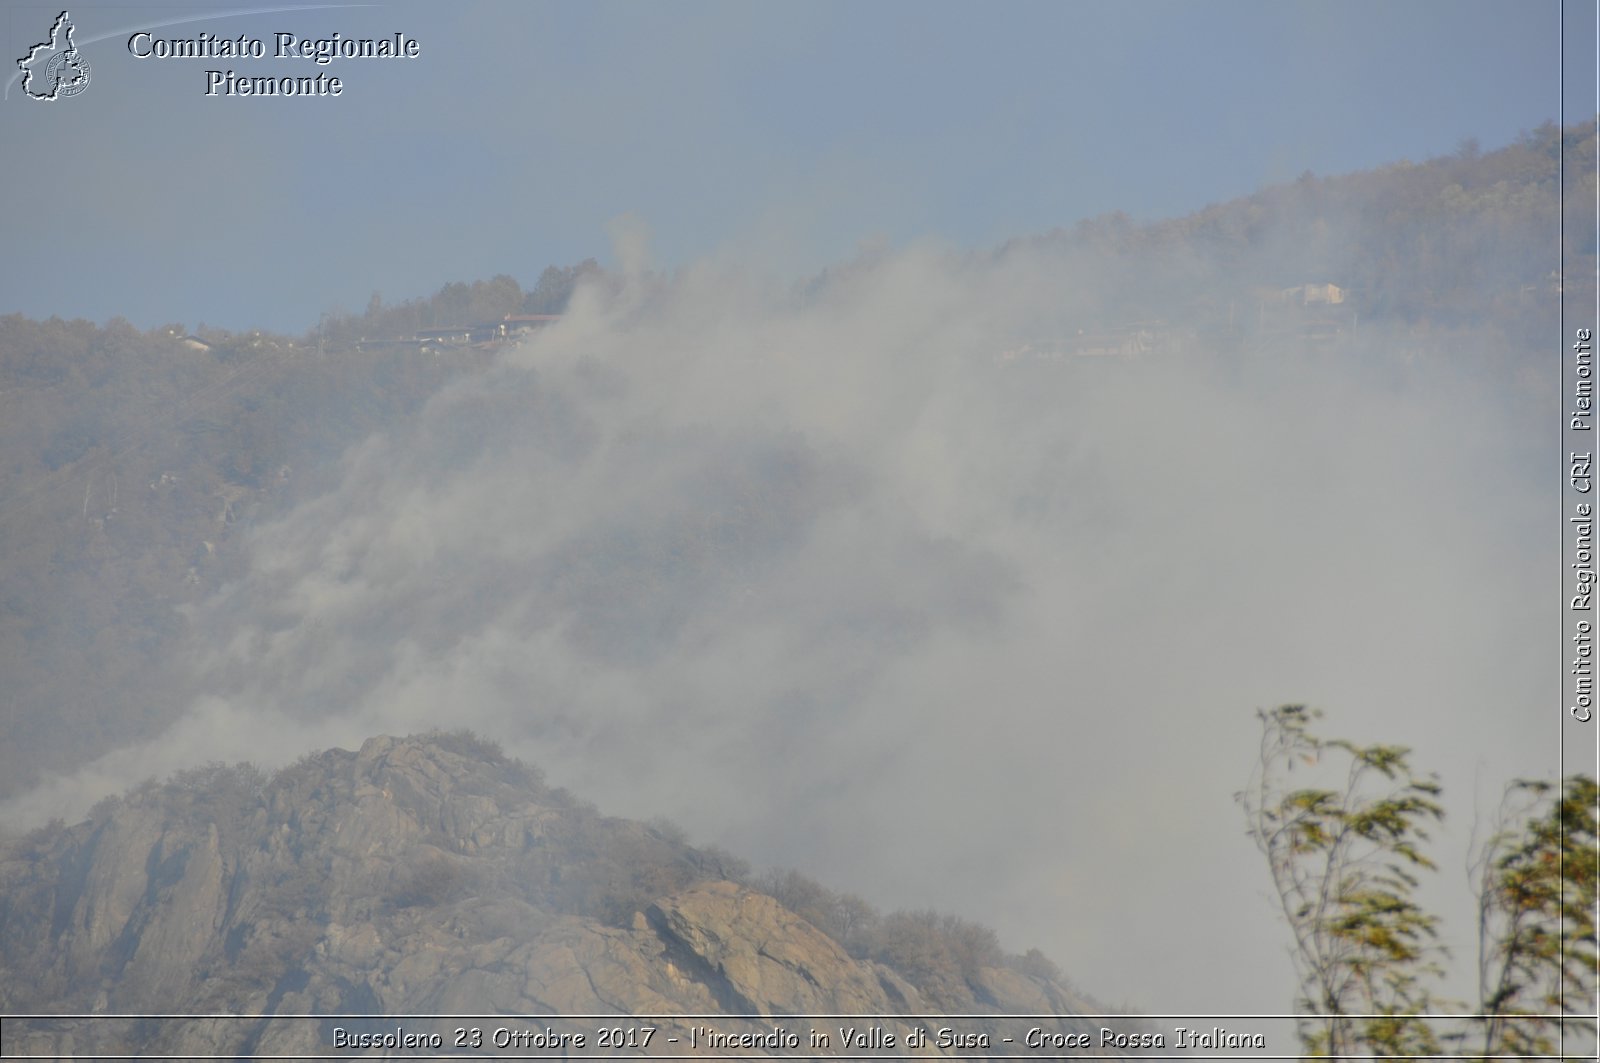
425, 875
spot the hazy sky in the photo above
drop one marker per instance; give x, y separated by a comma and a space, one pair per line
793, 130
811, 575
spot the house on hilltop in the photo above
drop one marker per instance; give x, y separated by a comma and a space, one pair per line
487, 334
513, 324
453, 334
1312, 294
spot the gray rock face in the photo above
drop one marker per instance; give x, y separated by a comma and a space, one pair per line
420, 876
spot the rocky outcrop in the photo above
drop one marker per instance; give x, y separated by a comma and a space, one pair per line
420, 876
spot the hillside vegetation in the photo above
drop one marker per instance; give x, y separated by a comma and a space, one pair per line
132, 463
433, 874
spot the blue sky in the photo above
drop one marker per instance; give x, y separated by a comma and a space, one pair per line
786, 134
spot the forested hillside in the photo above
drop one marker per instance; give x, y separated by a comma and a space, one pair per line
132, 461
434, 874
1473, 239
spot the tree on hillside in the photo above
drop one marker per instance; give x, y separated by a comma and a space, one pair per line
1536, 880
1345, 858
493, 299
1345, 852
556, 286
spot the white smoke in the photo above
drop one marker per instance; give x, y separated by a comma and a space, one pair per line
816, 573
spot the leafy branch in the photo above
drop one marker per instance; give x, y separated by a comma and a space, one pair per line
1345, 861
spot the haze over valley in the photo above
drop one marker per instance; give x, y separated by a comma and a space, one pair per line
779, 478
